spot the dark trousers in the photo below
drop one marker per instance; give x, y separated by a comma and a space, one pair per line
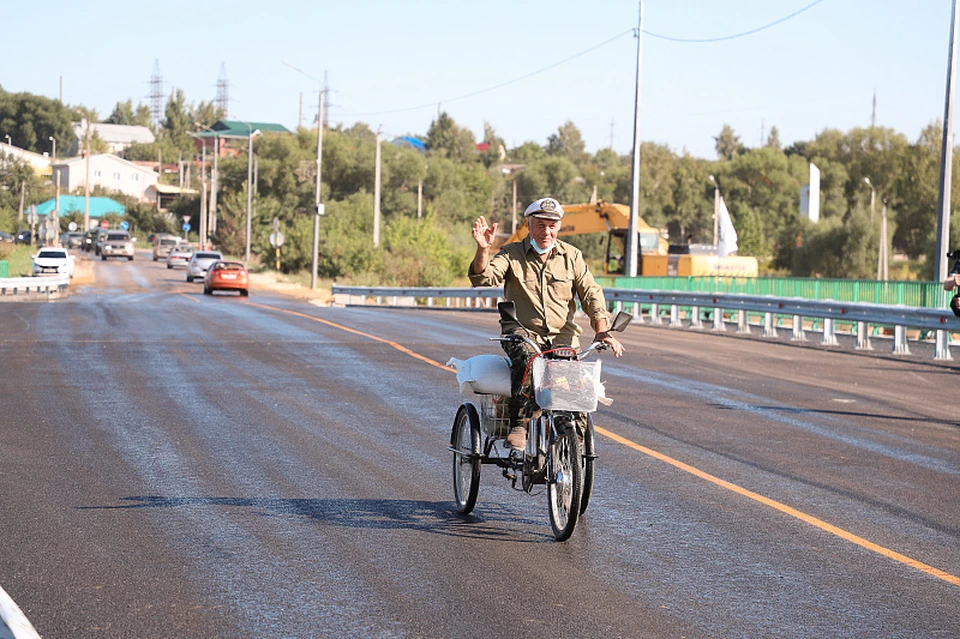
522, 403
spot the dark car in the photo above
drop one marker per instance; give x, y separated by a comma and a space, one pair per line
89, 240
6, 237
24, 237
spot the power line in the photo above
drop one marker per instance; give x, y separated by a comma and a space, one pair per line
581, 53
736, 35
497, 86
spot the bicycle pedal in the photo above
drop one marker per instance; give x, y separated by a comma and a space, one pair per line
510, 475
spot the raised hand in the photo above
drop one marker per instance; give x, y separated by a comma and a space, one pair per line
484, 235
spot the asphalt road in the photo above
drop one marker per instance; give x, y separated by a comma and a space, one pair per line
178, 465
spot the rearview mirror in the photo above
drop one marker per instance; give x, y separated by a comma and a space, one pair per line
621, 321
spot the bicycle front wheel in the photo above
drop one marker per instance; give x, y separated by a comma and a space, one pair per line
589, 459
565, 483
465, 442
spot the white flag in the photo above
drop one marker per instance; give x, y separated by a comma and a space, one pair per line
728, 235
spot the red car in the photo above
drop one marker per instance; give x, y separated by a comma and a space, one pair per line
227, 276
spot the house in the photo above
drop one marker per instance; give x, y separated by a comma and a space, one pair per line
232, 130
40, 163
108, 171
117, 136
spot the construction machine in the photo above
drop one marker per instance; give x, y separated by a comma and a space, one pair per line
656, 255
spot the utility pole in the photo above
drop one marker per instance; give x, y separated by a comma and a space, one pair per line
203, 197
631, 264
318, 211
376, 195
318, 206
214, 178
946, 157
420, 199
873, 114
86, 186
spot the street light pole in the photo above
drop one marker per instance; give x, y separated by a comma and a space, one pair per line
8, 140
54, 152
249, 187
873, 197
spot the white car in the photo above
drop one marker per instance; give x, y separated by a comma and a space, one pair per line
53, 261
199, 262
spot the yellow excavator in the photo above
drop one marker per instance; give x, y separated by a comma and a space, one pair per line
657, 256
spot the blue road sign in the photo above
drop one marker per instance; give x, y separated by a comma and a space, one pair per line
125, 225
186, 226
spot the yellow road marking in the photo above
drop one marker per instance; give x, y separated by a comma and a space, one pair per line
793, 512
189, 297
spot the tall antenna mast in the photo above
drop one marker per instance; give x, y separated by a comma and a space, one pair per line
223, 92
156, 95
326, 114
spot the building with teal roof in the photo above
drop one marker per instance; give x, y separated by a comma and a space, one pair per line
99, 206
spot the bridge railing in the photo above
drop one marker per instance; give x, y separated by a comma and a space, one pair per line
698, 311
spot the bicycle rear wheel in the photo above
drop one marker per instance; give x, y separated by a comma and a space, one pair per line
465, 442
565, 483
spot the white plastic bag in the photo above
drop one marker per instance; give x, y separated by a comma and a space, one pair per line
483, 374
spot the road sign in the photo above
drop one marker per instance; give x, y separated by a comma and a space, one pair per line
72, 226
186, 218
276, 239
321, 209
125, 225
104, 224
186, 226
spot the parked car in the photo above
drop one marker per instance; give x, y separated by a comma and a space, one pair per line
23, 237
162, 246
53, 261
71, 240
179, 255
227, 276
199, 262
6, 237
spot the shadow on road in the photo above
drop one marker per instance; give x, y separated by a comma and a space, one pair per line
495, 523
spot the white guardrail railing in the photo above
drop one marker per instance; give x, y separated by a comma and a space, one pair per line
671, 308
26, 285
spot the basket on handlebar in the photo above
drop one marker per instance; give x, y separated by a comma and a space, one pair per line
569, 385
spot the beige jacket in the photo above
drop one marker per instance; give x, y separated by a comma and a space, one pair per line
545, 293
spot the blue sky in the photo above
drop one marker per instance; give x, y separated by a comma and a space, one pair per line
817, 70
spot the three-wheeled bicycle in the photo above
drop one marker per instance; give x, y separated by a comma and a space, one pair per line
560, 452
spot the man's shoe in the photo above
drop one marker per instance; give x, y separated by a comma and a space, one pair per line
517, 439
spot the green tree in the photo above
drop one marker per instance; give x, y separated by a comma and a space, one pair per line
446, 138
728, 143
567, 143
30, 120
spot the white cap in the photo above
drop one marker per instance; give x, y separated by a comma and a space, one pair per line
546, 207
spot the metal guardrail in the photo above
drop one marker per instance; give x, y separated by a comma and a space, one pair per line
696, 306
471, 297
27, 285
